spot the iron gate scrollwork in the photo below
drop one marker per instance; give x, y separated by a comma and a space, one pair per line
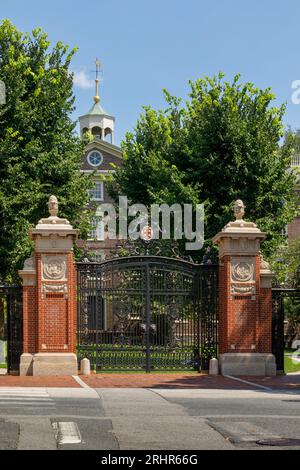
12, 316
146, 313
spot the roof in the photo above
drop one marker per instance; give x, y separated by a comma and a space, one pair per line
97, 109
102, 145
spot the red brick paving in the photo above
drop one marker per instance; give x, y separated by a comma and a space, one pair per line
47, 381
174, 381
197, 381
289, 382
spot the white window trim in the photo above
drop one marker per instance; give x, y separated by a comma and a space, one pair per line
89, 161
102, 192
96, 172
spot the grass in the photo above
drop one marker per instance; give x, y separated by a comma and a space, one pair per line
290, 366
3, 366
130, 360
292, 351
139, 372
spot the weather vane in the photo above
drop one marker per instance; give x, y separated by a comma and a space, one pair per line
98, 67
97, 72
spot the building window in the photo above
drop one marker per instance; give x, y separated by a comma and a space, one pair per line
95, 158
96, 256
96, 193
97, 232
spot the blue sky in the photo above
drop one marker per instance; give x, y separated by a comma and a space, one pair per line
147, 45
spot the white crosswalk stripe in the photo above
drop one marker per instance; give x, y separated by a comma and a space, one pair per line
23, 397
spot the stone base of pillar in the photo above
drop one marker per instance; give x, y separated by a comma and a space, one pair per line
42, 364
253, 364
26, 363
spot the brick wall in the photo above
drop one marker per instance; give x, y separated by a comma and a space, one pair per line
264, 324
30, 320
294, 229
244, 320
49, 319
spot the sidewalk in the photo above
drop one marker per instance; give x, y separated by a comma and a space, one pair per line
53, 381
164, 381
196, 381
281, 382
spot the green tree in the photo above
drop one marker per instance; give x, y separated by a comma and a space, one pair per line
292, 138
40, 153
285, 263
223, 145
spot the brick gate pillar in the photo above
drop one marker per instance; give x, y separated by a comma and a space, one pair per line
49, 299
245, 300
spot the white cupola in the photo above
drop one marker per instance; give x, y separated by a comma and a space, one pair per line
97, 120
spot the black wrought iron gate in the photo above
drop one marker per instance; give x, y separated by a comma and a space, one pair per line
11, 318
279, 294
147, 313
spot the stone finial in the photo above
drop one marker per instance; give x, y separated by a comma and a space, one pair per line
53, 206
29, 262
239, 237
239, 209
264, 265
53, 219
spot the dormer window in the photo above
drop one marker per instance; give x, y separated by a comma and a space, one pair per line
95, 158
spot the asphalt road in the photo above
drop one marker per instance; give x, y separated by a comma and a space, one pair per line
132, 419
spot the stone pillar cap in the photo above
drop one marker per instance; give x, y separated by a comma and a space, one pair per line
28, 273
239, 227
53, 224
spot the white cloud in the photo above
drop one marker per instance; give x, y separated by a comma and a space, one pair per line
81, 80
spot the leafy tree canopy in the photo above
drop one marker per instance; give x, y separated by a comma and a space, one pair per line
223, 145
285, 263
40, 153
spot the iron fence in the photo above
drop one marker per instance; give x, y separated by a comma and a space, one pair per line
147, 313
11, 311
